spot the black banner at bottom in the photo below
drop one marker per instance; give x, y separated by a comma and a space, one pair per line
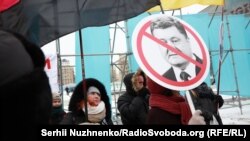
199, 132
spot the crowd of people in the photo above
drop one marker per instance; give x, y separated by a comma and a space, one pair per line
153, 104
26, 95
144, 102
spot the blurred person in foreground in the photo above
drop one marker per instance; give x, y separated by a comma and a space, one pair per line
25, 98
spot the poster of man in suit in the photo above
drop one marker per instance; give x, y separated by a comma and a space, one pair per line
171, 52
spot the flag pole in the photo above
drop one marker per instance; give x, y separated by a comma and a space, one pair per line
247, 24
221, 40
162, 10
221, 33
190, 102
213, 16
82, 62
233, 64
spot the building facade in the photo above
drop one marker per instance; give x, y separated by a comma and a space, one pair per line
68, 76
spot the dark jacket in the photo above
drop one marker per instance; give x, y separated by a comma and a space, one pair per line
76, 115
205, 100
26, 103
57, 115
158, 116
132, 105
166, 107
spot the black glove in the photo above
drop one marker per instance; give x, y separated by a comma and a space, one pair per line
219, 100
143, 92
207, 116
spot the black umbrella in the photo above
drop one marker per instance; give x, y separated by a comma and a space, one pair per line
42, 21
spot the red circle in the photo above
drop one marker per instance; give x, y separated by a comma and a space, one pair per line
142, 32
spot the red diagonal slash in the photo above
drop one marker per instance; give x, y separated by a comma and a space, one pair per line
143, 34
173, 49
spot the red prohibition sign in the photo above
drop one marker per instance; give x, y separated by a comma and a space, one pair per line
203, 66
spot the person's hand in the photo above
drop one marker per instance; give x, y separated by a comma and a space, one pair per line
139, 87
143, 92
197, 119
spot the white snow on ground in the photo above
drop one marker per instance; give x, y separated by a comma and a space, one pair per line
232, 114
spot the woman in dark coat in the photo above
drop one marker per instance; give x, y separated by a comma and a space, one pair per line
76, 114
133, 104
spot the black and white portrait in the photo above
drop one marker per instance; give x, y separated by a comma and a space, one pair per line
171, 52
173, 33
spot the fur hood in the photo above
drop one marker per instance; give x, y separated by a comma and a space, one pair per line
127, 80
130, 81
134, 79
78, 96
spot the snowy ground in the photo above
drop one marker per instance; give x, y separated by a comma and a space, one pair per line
230, 112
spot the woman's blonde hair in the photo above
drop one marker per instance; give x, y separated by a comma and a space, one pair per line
134, 79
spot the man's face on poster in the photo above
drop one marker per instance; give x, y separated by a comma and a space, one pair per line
174, 38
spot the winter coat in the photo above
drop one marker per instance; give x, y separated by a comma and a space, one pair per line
132, 105
57, 115
158, 116
166, 107
205, 100
75, 115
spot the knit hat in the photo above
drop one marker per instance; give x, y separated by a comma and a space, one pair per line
56, 96
93, 89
